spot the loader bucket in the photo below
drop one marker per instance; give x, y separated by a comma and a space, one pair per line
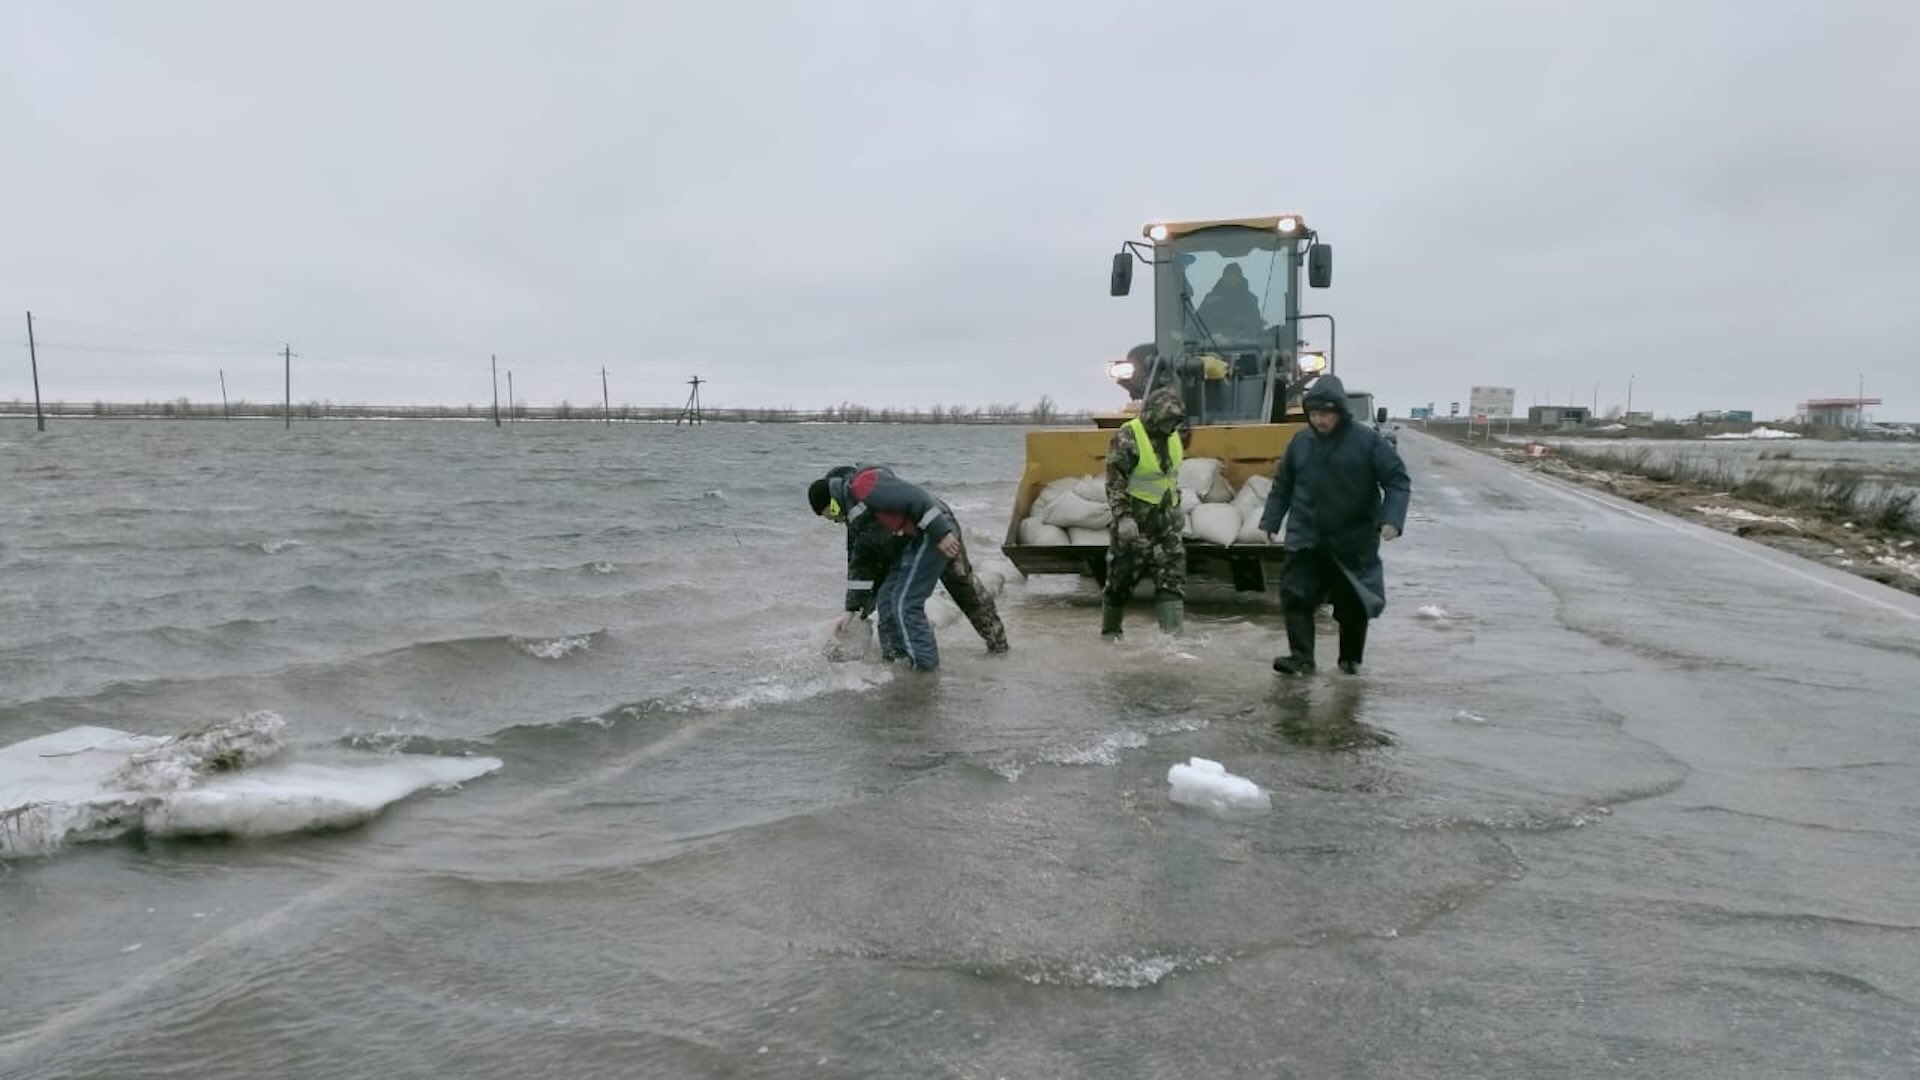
1244, 450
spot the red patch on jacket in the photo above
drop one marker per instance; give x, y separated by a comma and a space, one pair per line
861, 486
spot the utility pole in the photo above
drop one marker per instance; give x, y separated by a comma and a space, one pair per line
606, 406
1596, 400
496, 388
224, 413
286, 353
510, 416
691, 411
33, 356
1860, 405
1629, 395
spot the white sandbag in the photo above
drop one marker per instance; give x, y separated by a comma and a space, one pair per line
1217, 523
1053, 490
1037, 532
1254, 491
1198, 475
991, 578
1186, 524
1093, 537
1188, 500
1070, 511
942, 611
855, 644
1250, 530
1251, 502
1092, 488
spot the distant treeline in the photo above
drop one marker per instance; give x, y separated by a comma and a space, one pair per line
1041, 412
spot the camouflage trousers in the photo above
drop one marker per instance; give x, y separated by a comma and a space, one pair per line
1157, 552
974, 601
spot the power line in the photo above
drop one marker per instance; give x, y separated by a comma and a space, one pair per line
255, 344
127, 351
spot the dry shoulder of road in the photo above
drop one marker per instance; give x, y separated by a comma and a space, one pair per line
1891, 557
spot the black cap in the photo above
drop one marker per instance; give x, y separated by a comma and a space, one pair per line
819, 493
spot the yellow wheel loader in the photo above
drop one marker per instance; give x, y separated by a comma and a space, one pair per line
1226, 321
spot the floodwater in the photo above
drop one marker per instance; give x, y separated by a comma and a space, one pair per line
1614, 796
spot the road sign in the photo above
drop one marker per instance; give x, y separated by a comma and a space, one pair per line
1491, 401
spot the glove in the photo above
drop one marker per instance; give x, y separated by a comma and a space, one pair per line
1270, 536
1389, 532
1126, 530
845, 620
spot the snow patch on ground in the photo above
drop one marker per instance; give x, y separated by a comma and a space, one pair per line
1905, 564
1762, 432
1735, 513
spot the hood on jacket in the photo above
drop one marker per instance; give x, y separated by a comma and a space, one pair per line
1163, 412
1327, 392
838, 481
829, 489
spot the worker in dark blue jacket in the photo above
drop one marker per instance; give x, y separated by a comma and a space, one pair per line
1342, 490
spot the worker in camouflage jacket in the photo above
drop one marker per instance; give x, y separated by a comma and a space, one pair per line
875, 548
1143, 494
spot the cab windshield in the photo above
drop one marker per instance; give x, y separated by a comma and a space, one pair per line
1233, 285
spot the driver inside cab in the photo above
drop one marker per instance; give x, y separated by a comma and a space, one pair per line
1231, 310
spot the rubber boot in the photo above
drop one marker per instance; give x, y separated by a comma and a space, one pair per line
1299, 658
1172, 613
1353, 646
1111, 615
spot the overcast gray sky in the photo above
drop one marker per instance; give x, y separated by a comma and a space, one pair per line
910, 203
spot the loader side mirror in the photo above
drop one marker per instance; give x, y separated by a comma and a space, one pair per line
1320, 266
1122, 279
1380, 415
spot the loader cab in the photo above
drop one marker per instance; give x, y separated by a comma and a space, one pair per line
1226, 313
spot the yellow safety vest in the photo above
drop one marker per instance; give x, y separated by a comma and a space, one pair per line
1151, 482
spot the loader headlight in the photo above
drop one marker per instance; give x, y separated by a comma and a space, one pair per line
1313, 363
1287, 226
1120, 370
1157, 233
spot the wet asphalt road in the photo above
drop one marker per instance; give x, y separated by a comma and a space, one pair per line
1755, 913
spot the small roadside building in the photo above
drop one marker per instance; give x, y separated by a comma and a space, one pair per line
1558, 415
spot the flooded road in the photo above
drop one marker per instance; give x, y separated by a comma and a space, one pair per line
1614, 796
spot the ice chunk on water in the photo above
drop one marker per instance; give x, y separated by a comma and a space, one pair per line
92, 783
298, 796
1207, 785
